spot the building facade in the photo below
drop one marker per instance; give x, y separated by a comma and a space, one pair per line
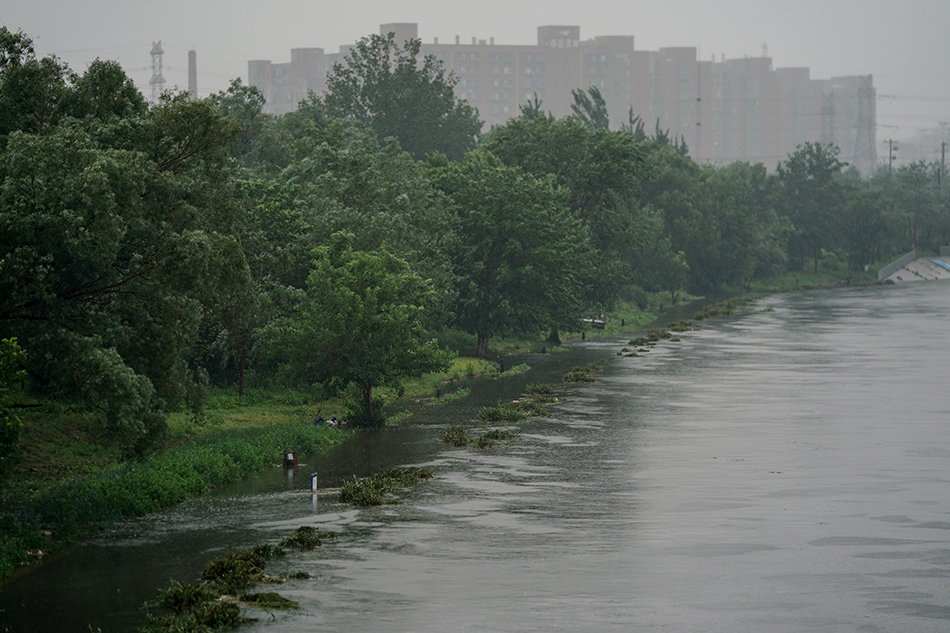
725, 111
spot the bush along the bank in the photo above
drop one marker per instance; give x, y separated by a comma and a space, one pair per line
214, 603
157, 482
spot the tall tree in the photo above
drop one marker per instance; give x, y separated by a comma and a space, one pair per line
601, 171
11, 358
115, 242
360, 324
590, 108
522, 256
811, 196
382, 84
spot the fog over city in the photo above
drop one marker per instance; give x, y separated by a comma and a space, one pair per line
905, 46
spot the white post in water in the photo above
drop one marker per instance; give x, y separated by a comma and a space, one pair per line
313, 491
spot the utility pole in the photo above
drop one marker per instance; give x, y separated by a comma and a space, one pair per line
943, 165
891, 146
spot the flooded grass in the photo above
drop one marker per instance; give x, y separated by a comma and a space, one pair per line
194, 607
460, 438
235, 572
456, 436
305, 537
182, 597
212, 604
503, 413
727, 307
206, 616
381, 488
680, 326
581, 373
269, 600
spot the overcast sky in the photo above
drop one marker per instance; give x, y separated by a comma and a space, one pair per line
904, 44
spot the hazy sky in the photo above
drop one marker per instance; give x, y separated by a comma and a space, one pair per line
904, 44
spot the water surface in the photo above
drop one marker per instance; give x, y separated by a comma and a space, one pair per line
783, 471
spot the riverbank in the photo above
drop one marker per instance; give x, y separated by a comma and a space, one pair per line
74, 484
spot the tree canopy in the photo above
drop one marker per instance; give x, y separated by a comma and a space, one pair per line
360, 323
522, 255
382, 84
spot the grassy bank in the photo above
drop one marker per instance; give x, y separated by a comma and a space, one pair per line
71, 481
34, 525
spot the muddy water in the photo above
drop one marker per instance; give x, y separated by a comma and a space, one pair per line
785, 471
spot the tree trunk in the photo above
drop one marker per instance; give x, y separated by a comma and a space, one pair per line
554, 337
368, 405
481, 349
243, 357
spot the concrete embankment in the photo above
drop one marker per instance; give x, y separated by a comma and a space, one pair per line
920, 269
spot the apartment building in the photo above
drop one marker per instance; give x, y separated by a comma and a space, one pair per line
725, 111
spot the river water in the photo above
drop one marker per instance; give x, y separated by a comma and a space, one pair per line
787, 470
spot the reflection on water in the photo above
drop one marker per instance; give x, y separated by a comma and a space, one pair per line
786, 471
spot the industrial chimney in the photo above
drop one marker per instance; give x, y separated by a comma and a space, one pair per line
192, 74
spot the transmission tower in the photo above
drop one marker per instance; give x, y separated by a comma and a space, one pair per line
157, 81
828, 118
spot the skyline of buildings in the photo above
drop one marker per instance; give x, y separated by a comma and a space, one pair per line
726, 110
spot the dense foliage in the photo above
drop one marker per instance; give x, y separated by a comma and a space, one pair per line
149, 249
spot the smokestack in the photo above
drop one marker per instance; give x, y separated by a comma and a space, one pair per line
192, 74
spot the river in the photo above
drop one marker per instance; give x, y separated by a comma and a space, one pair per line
787, 470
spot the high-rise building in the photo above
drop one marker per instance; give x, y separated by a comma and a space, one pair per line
725, 111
